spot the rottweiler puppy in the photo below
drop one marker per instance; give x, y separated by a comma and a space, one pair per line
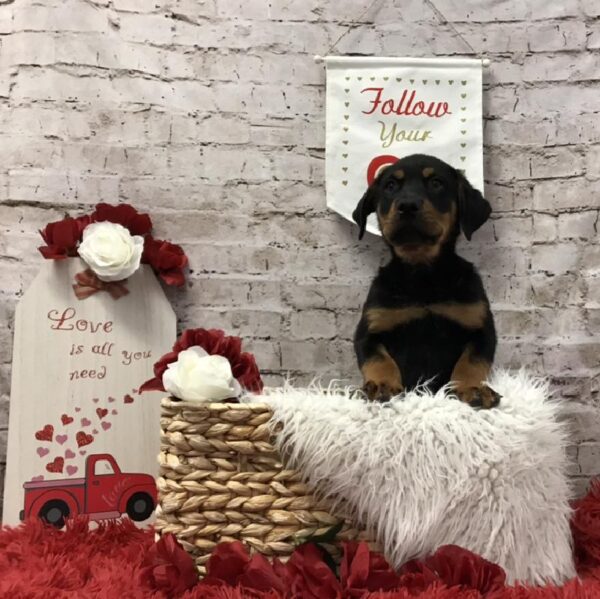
427, 318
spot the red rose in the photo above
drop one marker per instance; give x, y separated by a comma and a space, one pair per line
62, 237
166, 259
214, 342
455, 566
125, 215
362, 570
309, 577
167, 567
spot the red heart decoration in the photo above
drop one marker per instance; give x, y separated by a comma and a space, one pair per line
69, 455
66, 419
78, 409
42, 451
102, 412
106, 425
85, 422
83, 439
45, 434
128, 399
71, 470
56, 466
111, 399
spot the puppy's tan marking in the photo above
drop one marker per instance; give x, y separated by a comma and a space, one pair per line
399, 174
470, 316
468, 379
428, 171
382, 377
386, 319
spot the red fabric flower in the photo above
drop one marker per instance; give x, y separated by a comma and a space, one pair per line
231, 565
123, 214
309, 577
362, 570
214, 342
62, 237
455, 566
585, 526
166, 259
167, 567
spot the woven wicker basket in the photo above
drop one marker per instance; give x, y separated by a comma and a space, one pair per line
221, 479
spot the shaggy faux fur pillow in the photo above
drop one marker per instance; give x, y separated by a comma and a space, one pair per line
426, 470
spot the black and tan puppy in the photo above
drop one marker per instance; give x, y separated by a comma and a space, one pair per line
427, 318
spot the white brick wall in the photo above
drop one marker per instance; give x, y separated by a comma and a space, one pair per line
209, 113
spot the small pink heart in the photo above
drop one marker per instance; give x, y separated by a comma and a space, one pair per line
96, 400
134, 390
111, 399
71, 470
78, 409
82, 452
42, 451
60, 439
95, 431
114, 412
85, 422
69, 455
36, 479
106, 425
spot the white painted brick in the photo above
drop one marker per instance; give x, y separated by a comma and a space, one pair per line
578, 225
558, 162
555, 259
564, 194
313, 324
545, 227
561, 67
71, 15
592, 157
564, 35
552, 290
138, 6
591, 8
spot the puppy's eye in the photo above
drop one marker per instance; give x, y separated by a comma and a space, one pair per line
391, 185
436, 184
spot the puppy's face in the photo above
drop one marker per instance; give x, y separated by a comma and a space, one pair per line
420, 203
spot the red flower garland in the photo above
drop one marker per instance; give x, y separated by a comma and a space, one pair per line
166, 259
450, 573
214, 342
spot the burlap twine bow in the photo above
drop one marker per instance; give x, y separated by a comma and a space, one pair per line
87, 283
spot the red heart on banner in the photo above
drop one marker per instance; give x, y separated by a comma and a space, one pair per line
56, 466
128, 399
378, 163
66, 419
83, 439
45, 434
102, 412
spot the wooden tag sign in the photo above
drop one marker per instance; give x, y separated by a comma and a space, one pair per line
81, 440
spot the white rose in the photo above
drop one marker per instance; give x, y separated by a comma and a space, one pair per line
201, 377
111, 251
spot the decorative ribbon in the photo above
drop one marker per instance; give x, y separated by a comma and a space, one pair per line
88, 283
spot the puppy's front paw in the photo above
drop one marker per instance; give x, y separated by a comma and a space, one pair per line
479, 397
380, 391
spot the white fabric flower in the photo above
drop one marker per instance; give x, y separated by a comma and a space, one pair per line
199, 376
111, 251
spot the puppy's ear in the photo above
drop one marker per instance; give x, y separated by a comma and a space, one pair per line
365, 207
473, 208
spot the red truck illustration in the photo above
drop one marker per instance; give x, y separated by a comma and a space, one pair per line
104, 493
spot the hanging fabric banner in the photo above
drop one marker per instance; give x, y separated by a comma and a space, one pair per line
381, 109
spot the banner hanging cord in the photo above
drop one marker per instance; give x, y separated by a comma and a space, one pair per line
436, 11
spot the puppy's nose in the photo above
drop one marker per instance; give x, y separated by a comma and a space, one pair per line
408, 206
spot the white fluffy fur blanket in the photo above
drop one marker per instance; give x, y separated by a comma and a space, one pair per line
426, 470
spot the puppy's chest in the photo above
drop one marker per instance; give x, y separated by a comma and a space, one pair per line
393, 308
